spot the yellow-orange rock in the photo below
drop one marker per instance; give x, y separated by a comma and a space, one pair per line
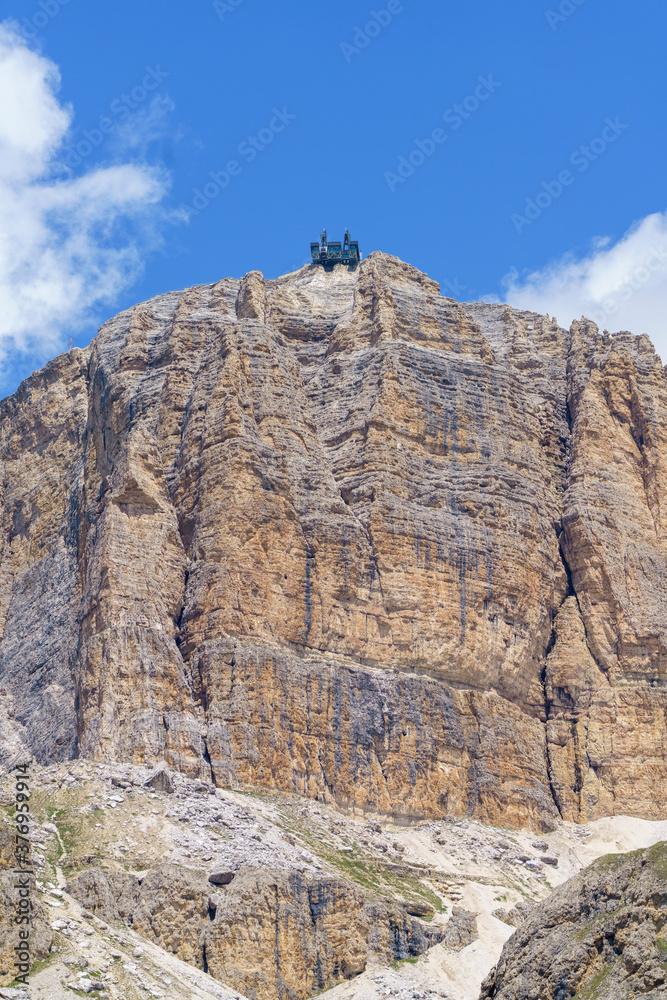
269, 933
335, 533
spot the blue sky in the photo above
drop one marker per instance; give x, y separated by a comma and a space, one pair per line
530, 137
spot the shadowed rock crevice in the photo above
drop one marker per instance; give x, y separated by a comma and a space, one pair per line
207, 758
571, 592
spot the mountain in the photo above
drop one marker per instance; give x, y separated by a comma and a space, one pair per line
337, 535
600, 936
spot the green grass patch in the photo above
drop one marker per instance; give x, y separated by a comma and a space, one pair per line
252, 794
591, 987
610, 862
361, 867
403, 961
42, 963
657, 857
73, 828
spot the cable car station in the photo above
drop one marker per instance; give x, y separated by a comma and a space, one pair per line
329, 254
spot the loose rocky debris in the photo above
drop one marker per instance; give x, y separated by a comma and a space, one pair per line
159, 781
218, 859
221, 878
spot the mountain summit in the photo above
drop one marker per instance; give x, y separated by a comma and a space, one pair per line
339, 535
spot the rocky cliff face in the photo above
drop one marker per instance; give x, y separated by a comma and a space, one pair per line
267, 933
338, 535
600, 936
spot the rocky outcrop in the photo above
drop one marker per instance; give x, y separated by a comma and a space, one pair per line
601, 935
265, 934
337, 534
12, 885
460, 930
514, 917
606, 677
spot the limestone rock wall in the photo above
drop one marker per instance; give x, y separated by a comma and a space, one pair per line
392, 742
338, 534
265, 934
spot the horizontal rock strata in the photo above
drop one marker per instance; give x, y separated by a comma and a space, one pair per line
392, 742
337, 534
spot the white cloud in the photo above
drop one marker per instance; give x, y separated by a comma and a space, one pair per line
68, 245
620, 286
148, 125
